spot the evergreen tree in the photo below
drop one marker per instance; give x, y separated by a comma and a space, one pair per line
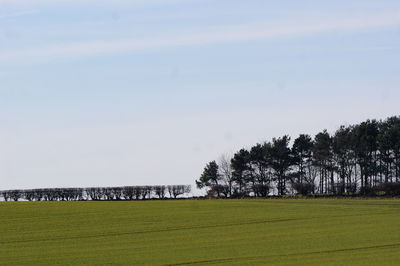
260, 169
343, 155
322, 156
365, 139
281, 161
362, 158
302, 157
241, 170
210, 177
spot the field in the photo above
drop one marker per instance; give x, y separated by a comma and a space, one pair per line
182, 232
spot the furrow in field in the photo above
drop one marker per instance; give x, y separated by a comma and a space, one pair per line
249, 258
150, 231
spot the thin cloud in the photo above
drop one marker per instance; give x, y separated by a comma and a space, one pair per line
216, 35
85, 2
19, 13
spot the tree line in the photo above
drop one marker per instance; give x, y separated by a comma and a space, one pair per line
97, 193
360, 159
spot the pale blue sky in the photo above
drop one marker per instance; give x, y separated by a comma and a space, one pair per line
96, 92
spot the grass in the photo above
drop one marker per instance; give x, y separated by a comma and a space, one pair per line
183, 232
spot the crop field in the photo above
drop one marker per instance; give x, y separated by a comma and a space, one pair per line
202, 232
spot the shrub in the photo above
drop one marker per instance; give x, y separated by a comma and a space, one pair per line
304, 188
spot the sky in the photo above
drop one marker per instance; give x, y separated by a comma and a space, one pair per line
113, 93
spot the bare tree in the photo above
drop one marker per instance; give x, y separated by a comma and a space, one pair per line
159, 191
225, 170
6, 195
128, 193
15, 194
177, 190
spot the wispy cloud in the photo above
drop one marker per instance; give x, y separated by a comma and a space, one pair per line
84, 2
378, 48
215, 35
19, 13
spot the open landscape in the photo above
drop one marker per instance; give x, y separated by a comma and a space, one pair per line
183, 232
199, 132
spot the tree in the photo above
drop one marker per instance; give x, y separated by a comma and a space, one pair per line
95, 193
365, 139
260, 174
176, 190
159, 191
240, 173
385, 146
393, 136
225, 172
146, 192
209, 177
281, 161
128, 192
343, 155
302, 157
15, 194
322, 158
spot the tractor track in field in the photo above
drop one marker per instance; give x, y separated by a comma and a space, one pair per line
169, 229
150, 231
231, 259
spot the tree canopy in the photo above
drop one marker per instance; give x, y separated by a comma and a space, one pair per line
356, 159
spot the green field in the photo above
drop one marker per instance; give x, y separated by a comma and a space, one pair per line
239, 232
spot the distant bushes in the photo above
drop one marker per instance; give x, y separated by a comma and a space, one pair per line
304, 188
97, 193
387, 189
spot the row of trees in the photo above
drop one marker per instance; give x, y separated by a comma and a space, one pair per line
357, 159
97, 193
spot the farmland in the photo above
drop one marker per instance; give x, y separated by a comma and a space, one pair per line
180, 232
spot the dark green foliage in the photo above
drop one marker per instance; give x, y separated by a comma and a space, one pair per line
365, 136
302, 157
260, 160
241, 171
322, 156
209, 177
355, 159
344, 156
281, 162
